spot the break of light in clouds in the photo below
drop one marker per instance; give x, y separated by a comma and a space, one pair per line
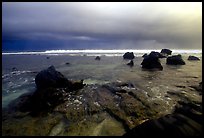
101, 25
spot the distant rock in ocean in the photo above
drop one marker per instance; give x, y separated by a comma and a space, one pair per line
128, 55
175, 60
166, 51
97, 58
193, 58
14, 69
145, 55
157, 54
48, 57
151, 61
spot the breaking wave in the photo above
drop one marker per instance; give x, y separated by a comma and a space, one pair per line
113, 52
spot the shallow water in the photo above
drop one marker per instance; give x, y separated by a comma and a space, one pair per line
155, 84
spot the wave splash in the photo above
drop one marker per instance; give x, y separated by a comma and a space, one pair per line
113, 52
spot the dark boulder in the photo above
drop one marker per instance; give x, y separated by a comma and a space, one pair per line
166, 51
52, 90
67, 63
46, 99
77, 85
128, 55
145, 55
157, 54
51, 78
151, 62
193, 58
175, 60
97, 58
131, 63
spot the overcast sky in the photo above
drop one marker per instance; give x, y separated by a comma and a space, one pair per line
100, 25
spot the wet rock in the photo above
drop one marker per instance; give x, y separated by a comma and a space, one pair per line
49, 93
193, 58
157, 54
119, 87
128, 55
51, 78
183, 122
131, 63
97, 58
57, 129
76, 85
175, 60
190, 109
67, 63
151, 62
145, 55
46, 99
166, 51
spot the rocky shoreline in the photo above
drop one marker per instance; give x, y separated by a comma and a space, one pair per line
60, 106
79, 109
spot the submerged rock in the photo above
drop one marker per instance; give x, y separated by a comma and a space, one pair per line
175, 60
128, 55
131, 63
193, 58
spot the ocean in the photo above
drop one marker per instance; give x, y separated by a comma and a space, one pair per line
19, 70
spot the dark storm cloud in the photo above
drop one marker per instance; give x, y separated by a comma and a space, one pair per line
104, 25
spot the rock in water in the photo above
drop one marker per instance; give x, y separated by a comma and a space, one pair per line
51, 78
166, 51
77, 85
157, 54
97, 58
131, 63
145, 55
193, 58
14, 69
175, 60
151, 62
128, 55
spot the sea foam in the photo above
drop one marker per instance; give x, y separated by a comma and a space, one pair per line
90, 52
